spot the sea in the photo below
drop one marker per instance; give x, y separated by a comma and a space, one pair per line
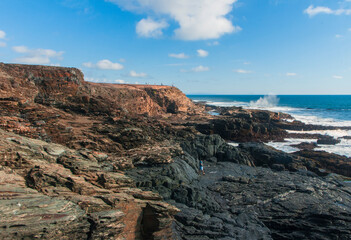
327, 110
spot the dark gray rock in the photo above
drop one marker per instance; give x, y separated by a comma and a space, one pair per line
234, 201
327, 140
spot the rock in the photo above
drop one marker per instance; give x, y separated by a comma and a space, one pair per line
54, 150
119, 161
60, 193
328, 141
231, 200
254, 209
305, 145
332, 163
25, 213
278, 167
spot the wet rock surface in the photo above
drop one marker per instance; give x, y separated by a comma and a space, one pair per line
234, 201
305, 146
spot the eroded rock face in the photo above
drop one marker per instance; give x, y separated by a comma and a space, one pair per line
65, 88
51, 191
26, 213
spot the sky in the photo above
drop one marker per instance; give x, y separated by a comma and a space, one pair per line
201, 47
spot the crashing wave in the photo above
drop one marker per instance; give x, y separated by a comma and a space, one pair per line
266, 101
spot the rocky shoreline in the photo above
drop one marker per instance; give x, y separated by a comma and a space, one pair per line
81, 160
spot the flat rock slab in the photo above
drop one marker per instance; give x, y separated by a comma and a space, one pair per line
25, 213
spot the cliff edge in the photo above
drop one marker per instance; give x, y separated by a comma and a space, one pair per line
66, 89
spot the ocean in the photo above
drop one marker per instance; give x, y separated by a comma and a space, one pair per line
327, 110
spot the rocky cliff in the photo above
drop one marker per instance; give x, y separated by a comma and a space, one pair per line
82, 160
66, 89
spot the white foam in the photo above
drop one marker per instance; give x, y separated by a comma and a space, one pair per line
270, 103
286, 146
337, 133
233, 144
282, 146
307, 119
342, 148
228, 104
265, 102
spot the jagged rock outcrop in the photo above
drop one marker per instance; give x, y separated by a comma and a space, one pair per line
239, 125
51, 191
332, 163
233, 201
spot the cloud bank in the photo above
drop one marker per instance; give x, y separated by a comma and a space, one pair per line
2, 34
196, 69
242, 71
202, 53
178, 55
313, 11
150, 28
36, 56
104, 65
197, 20
137, 75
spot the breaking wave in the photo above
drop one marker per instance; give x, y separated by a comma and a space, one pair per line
266, 101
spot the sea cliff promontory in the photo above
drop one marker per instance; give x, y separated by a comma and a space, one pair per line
81, 160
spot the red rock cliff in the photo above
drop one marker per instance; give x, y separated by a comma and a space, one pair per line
66, 89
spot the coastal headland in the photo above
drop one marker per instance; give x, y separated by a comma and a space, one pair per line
81, 160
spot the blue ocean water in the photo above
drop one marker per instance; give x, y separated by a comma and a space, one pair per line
327, 110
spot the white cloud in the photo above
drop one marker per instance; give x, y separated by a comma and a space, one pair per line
103, 80
137, 75
338, 77
215, 43
120, 81
97, 80
104, 65
20, 49
289, 74
3, 44
200, 69
36, 56
108, 65
178, 55
197, 20
202, 53
150, 28
88, 64
246, 63
242, 71
175, 64
2, 34
196, 69
338, 36
313, 11
55, 64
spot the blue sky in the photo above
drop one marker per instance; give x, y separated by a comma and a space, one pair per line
202, 47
